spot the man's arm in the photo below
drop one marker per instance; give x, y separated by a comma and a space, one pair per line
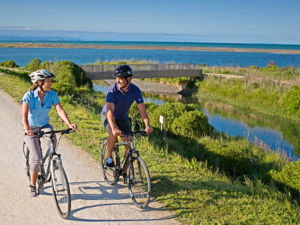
111, 119
144, 115
63, 115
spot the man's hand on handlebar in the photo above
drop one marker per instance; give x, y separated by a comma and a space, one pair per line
148, 130
117, 132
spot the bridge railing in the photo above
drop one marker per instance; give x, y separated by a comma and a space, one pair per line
103, 71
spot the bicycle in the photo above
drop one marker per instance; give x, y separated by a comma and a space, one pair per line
137, 174
51, 169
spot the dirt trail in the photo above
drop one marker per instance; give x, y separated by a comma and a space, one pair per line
93, 201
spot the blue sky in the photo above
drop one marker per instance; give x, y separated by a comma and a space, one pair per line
255, 21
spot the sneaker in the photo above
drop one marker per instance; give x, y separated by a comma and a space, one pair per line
125, 178
109, 162
32, 191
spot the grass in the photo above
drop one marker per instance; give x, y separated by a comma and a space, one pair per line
196, 190
265, 99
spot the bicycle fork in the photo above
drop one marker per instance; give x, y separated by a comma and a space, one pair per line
53, 166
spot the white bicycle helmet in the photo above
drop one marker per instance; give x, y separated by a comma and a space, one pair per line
40, 75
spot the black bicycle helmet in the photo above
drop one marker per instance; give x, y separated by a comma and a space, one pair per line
123, 71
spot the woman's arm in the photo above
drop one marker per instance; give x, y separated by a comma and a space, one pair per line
25, 110
63, 115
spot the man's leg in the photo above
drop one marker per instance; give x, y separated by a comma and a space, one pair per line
111, 141
126, 151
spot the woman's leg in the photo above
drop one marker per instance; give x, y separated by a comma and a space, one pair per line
46, 138
35, 156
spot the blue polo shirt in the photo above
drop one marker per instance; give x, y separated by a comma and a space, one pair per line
123, 100
38, 115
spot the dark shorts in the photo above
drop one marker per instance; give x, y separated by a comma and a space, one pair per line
123, 125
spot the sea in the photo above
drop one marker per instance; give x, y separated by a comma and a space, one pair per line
23, 56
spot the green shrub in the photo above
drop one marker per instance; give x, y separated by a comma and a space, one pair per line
46, 65
170, 111
33, 65
292, 101
10, 64
191, 124
253, 67
135, 115
289, 175
68, 75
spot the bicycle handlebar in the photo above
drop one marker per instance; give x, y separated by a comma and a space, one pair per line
132, 133
41, 133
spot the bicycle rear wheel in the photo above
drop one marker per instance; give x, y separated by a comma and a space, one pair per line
26, 155
109, 173
139, 182
61, 189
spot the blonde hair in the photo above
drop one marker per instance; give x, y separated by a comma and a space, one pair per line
33, 87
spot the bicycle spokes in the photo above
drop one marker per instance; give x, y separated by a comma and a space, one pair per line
139, 183
109, 173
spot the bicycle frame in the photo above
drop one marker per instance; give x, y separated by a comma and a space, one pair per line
129, 156
50, 154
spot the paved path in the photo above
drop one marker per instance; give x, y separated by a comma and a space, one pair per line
93, 201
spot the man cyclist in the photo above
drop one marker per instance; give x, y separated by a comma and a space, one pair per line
36, 105
114, 116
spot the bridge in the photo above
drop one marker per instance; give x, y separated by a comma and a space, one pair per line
103, 71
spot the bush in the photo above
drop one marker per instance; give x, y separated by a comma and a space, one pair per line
191, 124
33, 65
289, 175
68, 75
292, 101
46, 65
135, 115
170, 111
9, 64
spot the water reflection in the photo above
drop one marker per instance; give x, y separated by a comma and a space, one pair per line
272, 138
285, 140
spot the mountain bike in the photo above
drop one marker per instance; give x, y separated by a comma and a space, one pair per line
137, 174
51, 169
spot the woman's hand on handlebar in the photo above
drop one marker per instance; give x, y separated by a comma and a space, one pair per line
29, 132
73, 126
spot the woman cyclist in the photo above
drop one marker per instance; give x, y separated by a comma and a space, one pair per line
36, 105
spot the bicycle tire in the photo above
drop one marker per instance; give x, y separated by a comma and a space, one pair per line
26, 155
109, 173
61, 189
139, 182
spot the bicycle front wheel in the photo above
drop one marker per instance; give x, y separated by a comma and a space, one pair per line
109, 173
61, 189
139, 182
